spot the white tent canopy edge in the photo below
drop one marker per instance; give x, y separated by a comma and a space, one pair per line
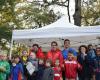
57, 31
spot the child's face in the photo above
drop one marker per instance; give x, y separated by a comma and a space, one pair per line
70, 56
17, 60
32, 55
57, 63
4, 56
41, 61
24, 53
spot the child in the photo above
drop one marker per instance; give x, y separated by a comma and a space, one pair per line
48, 72
32, 60
41, 68
16, 69
57, 70
4, 66
24, 58
71, 67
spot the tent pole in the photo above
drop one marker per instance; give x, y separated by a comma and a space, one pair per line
11, 49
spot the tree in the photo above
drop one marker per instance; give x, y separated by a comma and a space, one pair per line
91, 12
20, 14
77, 14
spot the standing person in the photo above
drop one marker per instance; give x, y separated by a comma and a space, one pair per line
57, 70
67, 48
24, 59
41, 67
17, 69
24, 56
34, 62
71, 67
82, 59
48, 72
97, 64
35, 48
4, 66
55, 53
91, 52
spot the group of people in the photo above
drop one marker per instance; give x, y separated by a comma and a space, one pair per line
68, 64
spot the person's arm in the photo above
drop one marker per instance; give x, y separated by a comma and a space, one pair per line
5, 69
21, 68
74, 52
79, 66
8, 68
21, 74
61, 60
64, 54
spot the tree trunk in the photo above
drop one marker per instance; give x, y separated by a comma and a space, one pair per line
68, 12
77, 14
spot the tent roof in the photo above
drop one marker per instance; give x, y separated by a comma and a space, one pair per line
61, 23
58, 31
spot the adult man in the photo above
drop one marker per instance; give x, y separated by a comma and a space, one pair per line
67, 48
65, 52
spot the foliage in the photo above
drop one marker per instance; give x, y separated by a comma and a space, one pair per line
20, 14
91, 12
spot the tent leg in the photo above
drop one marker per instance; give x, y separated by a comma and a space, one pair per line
10, 55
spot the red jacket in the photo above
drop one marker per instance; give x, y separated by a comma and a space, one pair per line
57, 73
71, 68
53, 55
39, 53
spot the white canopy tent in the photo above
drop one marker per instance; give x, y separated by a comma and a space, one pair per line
58, 31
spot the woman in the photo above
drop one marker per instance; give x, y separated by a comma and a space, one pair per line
32, 72
82, 59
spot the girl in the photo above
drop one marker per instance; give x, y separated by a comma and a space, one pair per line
83, 60
57, 70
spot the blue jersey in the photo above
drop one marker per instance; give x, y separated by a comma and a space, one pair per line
65, 52
15, 70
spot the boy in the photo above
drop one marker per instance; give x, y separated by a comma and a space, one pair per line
71, 67
17, 69
48, 72
41, 68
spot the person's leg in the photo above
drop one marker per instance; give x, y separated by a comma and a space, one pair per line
63, 75
93, 78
